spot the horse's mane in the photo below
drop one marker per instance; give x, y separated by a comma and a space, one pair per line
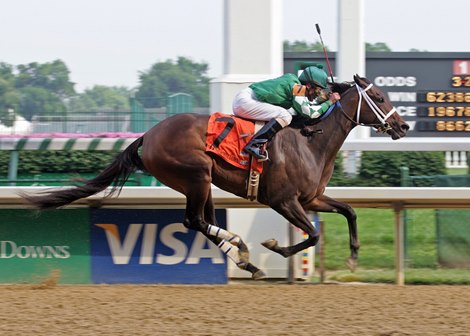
341, 87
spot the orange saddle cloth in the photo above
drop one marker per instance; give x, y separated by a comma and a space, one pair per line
227, 135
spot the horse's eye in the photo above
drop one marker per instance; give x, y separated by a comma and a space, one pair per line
381, 100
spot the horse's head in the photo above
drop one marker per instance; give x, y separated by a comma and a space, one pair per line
375, 110
369, 106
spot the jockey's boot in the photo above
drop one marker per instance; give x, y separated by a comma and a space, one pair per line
266, 133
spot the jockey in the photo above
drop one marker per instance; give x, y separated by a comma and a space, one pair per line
276, 100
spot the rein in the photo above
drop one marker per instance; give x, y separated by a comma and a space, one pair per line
383, 126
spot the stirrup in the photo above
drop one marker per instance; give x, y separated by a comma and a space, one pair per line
256, 152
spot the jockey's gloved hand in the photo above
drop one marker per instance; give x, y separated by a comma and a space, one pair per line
334, 97
323, 96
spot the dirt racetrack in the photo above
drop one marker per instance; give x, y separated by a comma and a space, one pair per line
235, 309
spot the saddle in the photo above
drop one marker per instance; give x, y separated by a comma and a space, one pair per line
226, 137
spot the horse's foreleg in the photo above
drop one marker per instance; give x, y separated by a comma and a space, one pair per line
327, 204
295, 214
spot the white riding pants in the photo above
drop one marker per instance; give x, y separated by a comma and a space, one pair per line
246, 106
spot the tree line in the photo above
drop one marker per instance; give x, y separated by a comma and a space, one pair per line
46, 88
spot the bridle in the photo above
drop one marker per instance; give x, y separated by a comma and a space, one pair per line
384, 126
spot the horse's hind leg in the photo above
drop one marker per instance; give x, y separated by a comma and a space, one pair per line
214, 230
234, 247
230, 244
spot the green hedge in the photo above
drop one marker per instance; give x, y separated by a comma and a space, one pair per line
382, 169
385, 166
37, 162
468, 162
377, 168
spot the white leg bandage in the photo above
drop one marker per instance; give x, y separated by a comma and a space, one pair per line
224, 234
230, 250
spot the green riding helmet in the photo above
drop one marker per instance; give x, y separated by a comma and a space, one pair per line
314, 74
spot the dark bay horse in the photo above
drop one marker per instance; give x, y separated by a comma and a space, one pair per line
293, 181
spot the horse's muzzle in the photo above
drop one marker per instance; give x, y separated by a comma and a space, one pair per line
398, 130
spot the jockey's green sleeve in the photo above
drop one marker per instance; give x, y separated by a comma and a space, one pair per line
276, 91
311, 109
287, 92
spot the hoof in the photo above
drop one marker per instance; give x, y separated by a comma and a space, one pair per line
270, 243
258, 275
351, 263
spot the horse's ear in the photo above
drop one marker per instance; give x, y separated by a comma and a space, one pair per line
357, 78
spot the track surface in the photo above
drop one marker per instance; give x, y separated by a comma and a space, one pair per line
235, 309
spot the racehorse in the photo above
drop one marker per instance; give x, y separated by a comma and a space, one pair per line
301, 162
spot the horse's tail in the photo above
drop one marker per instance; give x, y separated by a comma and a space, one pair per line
116, 174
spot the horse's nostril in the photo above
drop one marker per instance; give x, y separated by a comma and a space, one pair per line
405, 127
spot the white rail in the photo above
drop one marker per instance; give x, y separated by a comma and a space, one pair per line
373, 144
408, 144
362, 197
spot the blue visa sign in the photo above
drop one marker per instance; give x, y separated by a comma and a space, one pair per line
153, 246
